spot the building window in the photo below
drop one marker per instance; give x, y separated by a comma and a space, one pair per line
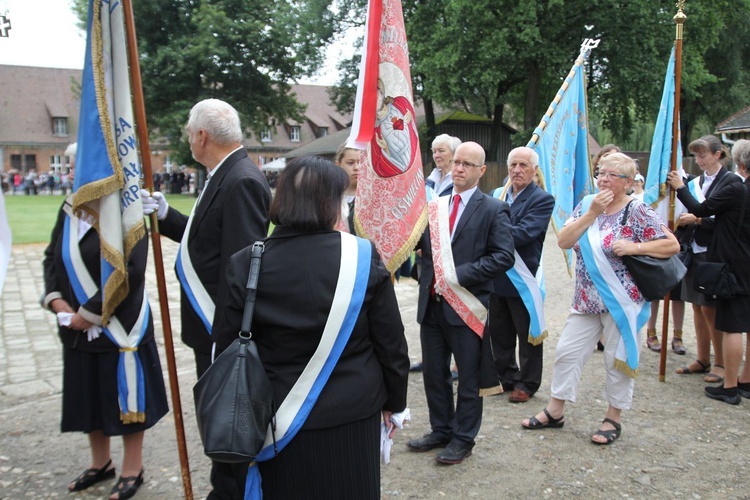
30, 162
265, 136
295, 133
322, 131
56, 163
60, 126
16, 162
262, 160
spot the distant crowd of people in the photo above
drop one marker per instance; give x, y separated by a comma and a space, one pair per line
31, 183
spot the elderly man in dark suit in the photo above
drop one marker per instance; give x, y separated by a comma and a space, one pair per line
467, 244
510, 315
230, 214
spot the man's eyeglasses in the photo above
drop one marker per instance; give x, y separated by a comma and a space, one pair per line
610, 175
464, 164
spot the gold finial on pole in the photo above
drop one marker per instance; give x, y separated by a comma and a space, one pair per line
679, 18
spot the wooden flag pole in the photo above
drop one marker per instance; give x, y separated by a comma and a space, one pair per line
679, 20
142, 130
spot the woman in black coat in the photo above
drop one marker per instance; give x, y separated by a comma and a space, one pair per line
336, 452
91, 359
730, 244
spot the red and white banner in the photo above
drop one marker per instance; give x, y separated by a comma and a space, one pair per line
391, 204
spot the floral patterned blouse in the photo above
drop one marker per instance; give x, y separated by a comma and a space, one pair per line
643, 225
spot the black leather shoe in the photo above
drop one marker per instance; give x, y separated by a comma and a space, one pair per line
453, 454
428, 442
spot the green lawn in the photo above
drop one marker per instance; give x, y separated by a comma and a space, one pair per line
31, 218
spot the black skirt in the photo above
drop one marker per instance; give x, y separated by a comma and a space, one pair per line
90, 400
338, 463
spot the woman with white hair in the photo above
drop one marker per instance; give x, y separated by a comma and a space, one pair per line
603, 229
440, 180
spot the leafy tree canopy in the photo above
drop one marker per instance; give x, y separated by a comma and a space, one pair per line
504, 57
242, 51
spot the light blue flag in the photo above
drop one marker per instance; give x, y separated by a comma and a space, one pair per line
659, 162
563, 149
107, 169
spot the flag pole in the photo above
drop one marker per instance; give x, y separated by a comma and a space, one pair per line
679, 20
586, 47
142, 130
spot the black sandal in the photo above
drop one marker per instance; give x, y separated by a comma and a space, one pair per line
610, 435
126, 487
685, 370
552, 423
90, 477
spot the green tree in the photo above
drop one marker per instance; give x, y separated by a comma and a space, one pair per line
245, 52
506, 59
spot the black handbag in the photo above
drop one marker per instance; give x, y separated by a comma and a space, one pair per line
653, 276
715, 279
234, 399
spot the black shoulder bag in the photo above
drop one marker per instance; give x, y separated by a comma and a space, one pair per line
234, 399
715, 279
653, 276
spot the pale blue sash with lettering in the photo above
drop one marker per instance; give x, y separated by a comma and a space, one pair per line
531, 288
130, 381
348, 298
199, 299
629, 316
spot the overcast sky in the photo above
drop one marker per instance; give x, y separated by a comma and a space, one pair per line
44, 33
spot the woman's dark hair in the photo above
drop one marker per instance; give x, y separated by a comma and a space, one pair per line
308, 194
710, 144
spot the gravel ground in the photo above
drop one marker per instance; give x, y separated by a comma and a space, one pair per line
675, 441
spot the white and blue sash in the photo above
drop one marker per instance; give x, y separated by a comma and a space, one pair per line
130, 382
697, 191
199, 299
629, 316
531, 288
347, 303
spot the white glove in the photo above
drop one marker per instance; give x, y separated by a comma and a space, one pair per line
154, 202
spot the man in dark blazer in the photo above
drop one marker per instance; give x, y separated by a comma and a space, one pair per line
230, 214
530, 212
482, 248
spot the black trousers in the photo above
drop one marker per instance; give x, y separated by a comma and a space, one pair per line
509, 320
439, 340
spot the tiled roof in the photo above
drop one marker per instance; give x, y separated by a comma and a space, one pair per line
320, 113
738, 122
30, 97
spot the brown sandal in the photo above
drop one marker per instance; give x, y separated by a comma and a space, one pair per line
685, 370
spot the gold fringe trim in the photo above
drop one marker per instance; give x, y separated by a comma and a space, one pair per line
408, 247
539, 339
132, 417
624, 368
490, 391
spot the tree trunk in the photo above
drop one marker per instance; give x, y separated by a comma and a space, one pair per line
531, 108
429, 116
493, 151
